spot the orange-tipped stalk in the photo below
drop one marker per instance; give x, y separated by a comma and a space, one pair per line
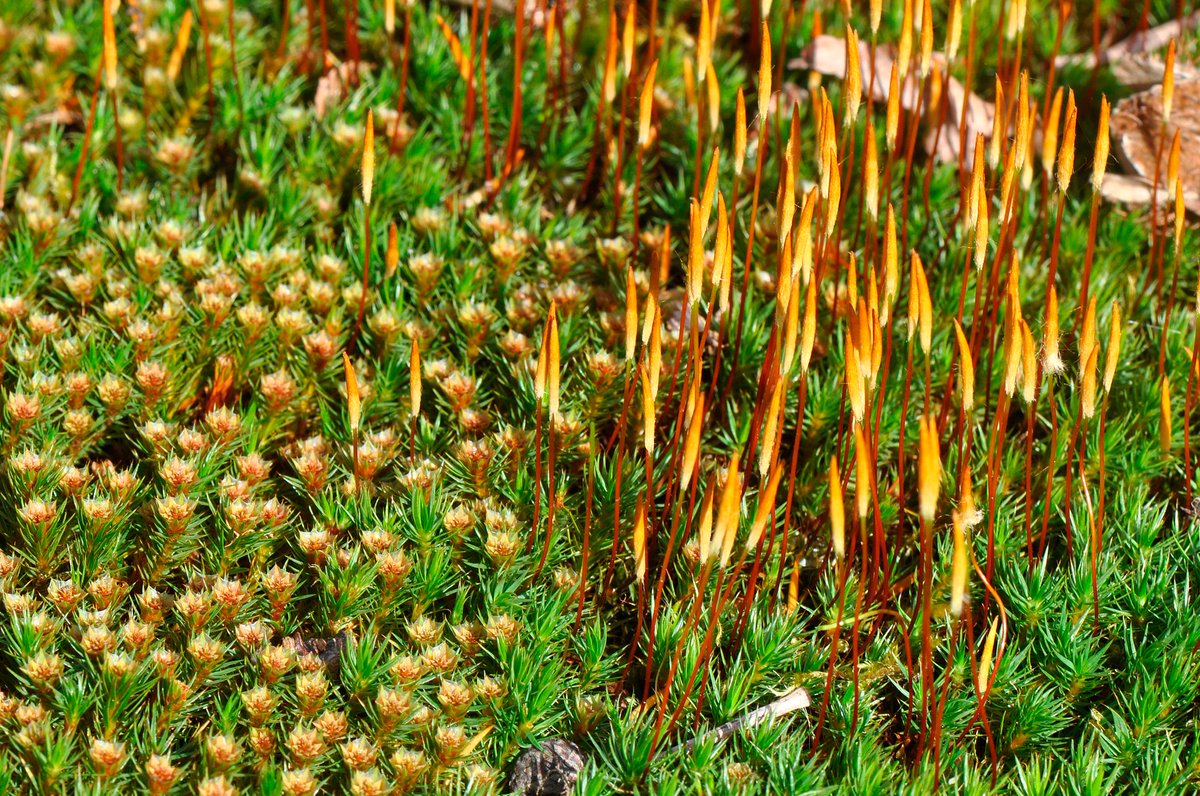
729, 510
368, 183
182, 37
414, 394
550, 368
929, 474
109, 58
353, 411
959, 567
1066, 165
1164, 415
109, 46
966, 370
392, 257
639, 543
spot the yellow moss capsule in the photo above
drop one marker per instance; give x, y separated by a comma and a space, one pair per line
1028, 363
791, 330
1024, 122
862, 470
368, 159
691, 447
721, 244
954, 29
1051, 359
808, 332
646, 106
730, 509
627, 34
787, 202
985, 660
1066, 152
871, 174
705, 532
414, 379
982, 230
1180, 214
764, 76
1087, 336
999, 126
852, 88
926, 312
837, 511
926, 42
1113, 355
714, 99
353, 405
609, 84
648, 410
766, 452
710, 190
631, 314
1013, 345
1050, 134
892, 125
1087, 393
834, 200
914, 296
959, 567
1164, 415
929, 468
1100, 162
639, 541
109, 45
1168, 83
654, 355
904, 46
854, 381
392, 257
766, 507
1173, 164
739, 133
966, 370
182, 37
554, 372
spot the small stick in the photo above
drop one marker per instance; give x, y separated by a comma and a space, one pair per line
796, 699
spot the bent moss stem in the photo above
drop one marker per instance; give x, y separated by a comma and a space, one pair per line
87, 137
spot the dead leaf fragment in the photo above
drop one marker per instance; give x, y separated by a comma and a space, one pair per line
826, 55
1137, 139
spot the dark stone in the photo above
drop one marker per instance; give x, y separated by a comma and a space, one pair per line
328, 650
548, 770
